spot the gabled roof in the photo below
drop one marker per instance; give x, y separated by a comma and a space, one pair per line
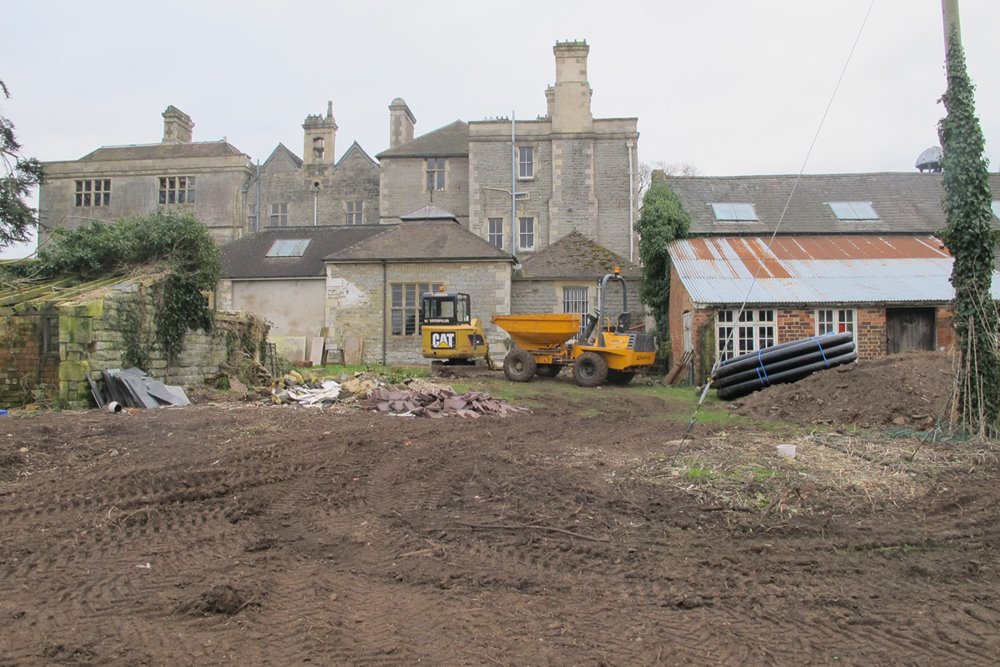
428, 213
450, 140
282, 151
246, 258
904, 202
356, 149
432, 241
200, 149
829, 269
575, 256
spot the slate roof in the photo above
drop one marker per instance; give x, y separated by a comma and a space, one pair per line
827, 269
246, 258
200, 149
905, 202
431, 241
574, 256
429, 212
450, 140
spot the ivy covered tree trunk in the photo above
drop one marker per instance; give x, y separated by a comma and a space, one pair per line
970, 240
661, 220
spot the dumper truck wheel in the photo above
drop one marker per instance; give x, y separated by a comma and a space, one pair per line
548, 370
519, 365
620, 377
590, 370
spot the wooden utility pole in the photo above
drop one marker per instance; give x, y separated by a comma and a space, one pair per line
949, 14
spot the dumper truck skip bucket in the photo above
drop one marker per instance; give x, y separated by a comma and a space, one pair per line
539, 331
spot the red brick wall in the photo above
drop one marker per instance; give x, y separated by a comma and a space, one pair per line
945, 340
871, 333
22, 366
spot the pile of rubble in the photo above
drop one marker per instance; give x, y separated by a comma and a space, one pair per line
438, 403
415, 398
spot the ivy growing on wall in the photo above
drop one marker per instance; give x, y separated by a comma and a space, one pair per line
661, 220
970, 240
176, 244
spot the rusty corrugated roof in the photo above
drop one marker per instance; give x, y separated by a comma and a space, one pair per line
815, 269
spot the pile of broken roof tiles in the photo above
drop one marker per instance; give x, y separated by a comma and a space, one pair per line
438, 403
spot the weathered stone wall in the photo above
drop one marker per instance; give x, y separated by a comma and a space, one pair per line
546, 296
359, 301
355, 178
404, 188
135, 191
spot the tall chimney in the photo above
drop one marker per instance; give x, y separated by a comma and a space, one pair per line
401, 122
177, 126
571, 96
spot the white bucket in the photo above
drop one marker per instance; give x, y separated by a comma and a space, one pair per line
786, 451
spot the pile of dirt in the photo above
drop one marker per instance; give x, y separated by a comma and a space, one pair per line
906, 390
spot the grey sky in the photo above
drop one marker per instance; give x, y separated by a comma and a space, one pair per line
728, 86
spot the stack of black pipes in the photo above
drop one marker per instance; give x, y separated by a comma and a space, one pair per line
787, 362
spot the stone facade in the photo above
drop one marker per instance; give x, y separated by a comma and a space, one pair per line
403, 187
359, 302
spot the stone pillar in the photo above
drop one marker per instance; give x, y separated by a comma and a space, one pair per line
319, 138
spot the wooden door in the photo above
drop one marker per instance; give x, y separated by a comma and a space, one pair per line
909, 329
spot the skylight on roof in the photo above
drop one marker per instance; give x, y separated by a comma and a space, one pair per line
735, 213
996, 208
288, 248
854, 210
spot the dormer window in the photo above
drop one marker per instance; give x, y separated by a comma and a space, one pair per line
853, 210
734, 213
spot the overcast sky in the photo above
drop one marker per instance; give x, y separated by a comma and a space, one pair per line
727, 86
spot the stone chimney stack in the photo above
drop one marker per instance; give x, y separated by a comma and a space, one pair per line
401, 122
319, 138
177, 126
570, 100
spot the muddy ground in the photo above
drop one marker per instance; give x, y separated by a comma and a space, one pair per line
581, 533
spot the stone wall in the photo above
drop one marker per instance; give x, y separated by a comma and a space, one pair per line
404, 187
359, 300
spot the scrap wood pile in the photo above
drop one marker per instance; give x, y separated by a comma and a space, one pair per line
415, 398
439, 402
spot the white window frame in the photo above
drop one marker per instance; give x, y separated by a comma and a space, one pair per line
525, 163
279, 215
755, 329
435, 173
575, 299
494, 232
837, 320
355, 211
526, 233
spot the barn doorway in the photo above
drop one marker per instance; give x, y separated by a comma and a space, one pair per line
909, 329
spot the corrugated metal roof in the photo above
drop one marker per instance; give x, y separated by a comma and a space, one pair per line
815, 269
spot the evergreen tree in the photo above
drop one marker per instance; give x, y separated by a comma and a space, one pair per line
19, 175
969, 237
661, 220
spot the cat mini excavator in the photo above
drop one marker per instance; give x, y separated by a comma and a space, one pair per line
449, 335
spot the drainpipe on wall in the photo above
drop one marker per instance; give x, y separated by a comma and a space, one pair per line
385, 322
631, 204
513, 189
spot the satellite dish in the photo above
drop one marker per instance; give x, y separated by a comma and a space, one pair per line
930, 159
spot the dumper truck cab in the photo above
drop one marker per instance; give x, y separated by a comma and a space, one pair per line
448, 332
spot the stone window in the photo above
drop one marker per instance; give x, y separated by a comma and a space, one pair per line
50, 334
177, 189
834, 320
495, 232
526, 233
575, 300
753, 330
93, 192
279, 215
435, 173
355, 209
406, 306
525, 162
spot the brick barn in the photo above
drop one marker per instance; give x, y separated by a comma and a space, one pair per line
892, 292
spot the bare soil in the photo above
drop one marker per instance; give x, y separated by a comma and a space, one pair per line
582, 533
